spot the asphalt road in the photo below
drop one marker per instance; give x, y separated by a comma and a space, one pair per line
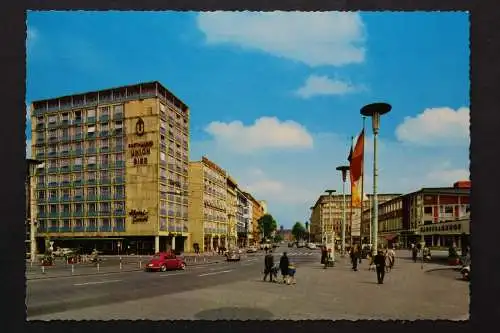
45, 296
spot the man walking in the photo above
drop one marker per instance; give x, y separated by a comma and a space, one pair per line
268, 266
379, 262
284, 262
355, 257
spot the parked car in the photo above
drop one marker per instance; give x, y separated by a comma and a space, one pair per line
233, 256
290, 244
60, 252
252, 249
163, 261
301, 244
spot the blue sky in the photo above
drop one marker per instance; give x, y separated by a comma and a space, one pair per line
275, 97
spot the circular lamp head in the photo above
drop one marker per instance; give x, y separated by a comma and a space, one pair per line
343, 169
375, 110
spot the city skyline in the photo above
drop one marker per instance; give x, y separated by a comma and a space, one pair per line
248, 89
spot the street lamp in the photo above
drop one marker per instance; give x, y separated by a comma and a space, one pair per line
330, 209
375, 110
308, 233
343, 169
310, 218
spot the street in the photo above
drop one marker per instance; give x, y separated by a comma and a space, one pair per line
225, 290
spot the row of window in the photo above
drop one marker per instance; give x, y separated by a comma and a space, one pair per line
79, 115
79, 192
447, 209
102, 159
81, 225
116, 206
80, 177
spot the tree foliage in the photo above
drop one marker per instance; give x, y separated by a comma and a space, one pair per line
298, 231
267, 224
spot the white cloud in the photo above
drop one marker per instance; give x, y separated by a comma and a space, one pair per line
313, 38
322, 85
266, 132
291, 181
436, 127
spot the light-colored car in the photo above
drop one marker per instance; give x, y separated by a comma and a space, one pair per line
233, 256
59, 252
252, 249
311, 246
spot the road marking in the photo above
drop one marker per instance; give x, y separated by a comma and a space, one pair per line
172, 274
213, 273
248, 264
96, 282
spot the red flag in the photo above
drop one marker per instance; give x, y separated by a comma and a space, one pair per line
356, 169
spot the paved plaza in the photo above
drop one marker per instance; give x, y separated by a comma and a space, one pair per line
408, 293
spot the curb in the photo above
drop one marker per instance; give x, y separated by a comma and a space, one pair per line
96, 273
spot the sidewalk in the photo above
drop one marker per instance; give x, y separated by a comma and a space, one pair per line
408, 293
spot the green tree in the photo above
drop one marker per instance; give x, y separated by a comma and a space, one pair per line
267, 224
298, 231
278, 238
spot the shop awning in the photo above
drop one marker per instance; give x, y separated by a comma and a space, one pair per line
390, 237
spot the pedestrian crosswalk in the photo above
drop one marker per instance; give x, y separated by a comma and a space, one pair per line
291, 254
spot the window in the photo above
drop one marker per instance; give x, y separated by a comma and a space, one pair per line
78, 177
52, 149
41, 194
162, 156
78, 146
91, 175
53, 208
119, 189
105, 175
65, 117
53, 133
65, 148
91, 160
78, 115
90, 113
52, 163
428, 210
53, 194
52, 119
163, 173
448, 209
118, 124
65, 208
39, 120
65, 132
90, 144
104, 126
91, 207
79, 192
162, 138
118, 109
104, 111
105, 191
78, 130
66, 177
119, 205
91, 129
78, 161
105, 207
104, 159
119, 157
104, 143
64, 163
91, 191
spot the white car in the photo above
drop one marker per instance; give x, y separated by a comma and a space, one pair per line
311, 246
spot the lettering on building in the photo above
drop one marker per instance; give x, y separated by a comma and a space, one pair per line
139, 127
138, 216
139, 152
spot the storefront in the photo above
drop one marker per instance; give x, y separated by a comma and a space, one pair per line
446, 234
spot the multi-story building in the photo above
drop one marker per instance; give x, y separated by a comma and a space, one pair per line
115, 169
440, 215
232, 208
263, 204
242, 218
366, 217
255, 213
208, 204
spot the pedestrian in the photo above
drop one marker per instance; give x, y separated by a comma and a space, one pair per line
380, 266
284, 262
291, 273
324, 253
268, 266
355, 257
414, 253
391, 254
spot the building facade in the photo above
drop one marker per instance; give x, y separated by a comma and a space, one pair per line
366, 216
242, 218
263, 204
326, 217
208, 205
115, 169
438, 216
256, 213
232, 208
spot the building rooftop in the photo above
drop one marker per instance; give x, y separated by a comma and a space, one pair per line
133, 91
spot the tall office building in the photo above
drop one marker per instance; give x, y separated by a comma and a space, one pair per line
115, 169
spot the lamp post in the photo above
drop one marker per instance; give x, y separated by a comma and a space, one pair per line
311, 218
343, 169
330, 210
308, 233
375, 110
32, 165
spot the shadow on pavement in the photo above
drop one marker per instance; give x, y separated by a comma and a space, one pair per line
234, 313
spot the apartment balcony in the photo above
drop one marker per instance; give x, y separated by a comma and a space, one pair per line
119, 228
118, 116
105, 181
119, 196
40, 141
53, 215
78, 198
91, 167
40, 155
41, 229
104, 134
104, 166
65, 198
104, 150
52, 125
105, 197
64, 153
93, 213
40, 126
65, 168
90, 136
78, 182
78, 152
79, 228
163, 212
78, 121
53, 139
77, 168
52, 154
91, 150
79, 213
90, 120
105, 213
104, 118
92, 197
41, 200
91, 228
65, 138
120, 164
118, 148
119, 180
65, 123
53, 229
41, 215
105, 228
53, 200
118, 132
78, 137
119, 212
52, 170
66, 214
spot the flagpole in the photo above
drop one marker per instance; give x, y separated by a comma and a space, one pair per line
362, 184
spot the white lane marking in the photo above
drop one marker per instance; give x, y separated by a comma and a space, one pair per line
172, 274
255, 259
96, 282
218, 272
248, 264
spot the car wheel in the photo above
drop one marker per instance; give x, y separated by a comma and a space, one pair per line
163, 268
183, 266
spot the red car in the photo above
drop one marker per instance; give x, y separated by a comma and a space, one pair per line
165, 261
